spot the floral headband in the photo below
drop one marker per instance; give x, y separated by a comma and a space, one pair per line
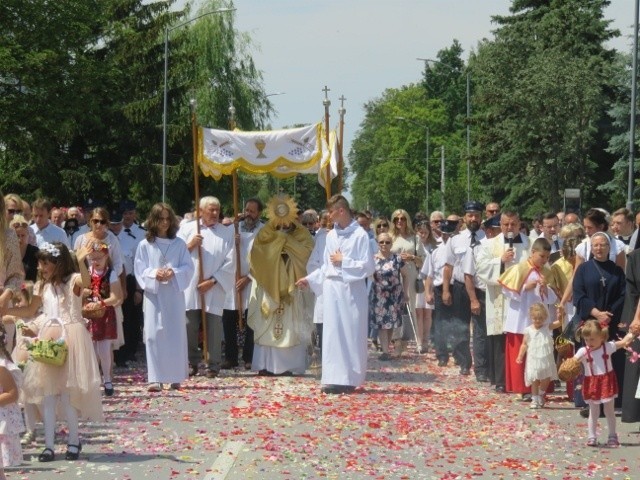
100, 247
50, 249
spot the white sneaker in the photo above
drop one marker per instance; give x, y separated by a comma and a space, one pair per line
28, 438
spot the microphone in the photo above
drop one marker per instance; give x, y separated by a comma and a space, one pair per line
510, 239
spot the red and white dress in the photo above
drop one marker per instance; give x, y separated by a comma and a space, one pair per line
105, 327
600, 384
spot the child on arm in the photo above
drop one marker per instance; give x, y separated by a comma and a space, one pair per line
537, 346
600, 385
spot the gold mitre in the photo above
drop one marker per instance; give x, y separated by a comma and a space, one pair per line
282, 210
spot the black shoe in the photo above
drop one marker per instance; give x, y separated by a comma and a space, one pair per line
525, 397
500, 389
584, 412
193, 370
211, 373
482, 378
265, 373
71, 455
337, 389
47, 455
442, 363
247, 365
108, 389
465, 371
228, 365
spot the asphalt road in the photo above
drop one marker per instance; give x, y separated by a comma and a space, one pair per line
412, 419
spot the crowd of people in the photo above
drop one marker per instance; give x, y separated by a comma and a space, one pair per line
206, 293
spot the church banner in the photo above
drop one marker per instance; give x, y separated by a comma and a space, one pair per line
281, 153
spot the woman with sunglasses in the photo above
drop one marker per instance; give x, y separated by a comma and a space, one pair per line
387, 298
380, 225
411, 251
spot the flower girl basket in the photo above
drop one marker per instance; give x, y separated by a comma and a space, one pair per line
50, 346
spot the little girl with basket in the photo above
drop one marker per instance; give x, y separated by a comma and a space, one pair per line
600, 385
75, 384
20, 356
106, 294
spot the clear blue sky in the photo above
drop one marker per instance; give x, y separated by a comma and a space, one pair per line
358, 48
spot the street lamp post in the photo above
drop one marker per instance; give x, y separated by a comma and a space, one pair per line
632, 122
167, 30
426, 61
426, 166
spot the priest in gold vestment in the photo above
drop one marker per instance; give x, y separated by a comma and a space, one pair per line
278, 314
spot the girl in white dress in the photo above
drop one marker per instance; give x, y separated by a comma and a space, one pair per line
11, 423
75, 385
164, 268
537, 345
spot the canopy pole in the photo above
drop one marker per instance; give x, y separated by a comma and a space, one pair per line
327, 103
236, 226
341, 111
196, 188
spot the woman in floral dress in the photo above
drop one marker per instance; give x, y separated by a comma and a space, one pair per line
387, 297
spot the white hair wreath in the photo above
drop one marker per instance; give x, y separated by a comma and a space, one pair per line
51, 249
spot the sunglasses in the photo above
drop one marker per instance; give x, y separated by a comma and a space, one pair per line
97, 221
399, 219
383, 225
384, 242
13, 211
492, 211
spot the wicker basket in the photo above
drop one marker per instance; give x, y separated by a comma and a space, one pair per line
563, 346
93, 312
569, 369
52, 352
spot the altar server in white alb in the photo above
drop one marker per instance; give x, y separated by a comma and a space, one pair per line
213, 245
348, 261
164, 268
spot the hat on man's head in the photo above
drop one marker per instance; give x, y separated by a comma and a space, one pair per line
91, 203
115, 216
447, 226
127, 205
473, 206
492, 222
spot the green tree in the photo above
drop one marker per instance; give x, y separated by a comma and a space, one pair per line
619, 112
540, 93
81, 106
388, 155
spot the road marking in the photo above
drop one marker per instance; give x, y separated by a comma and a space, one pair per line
221, 467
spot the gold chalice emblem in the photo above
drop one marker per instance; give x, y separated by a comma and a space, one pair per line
260, 145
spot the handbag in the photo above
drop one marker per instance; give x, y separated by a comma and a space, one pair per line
49, 351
